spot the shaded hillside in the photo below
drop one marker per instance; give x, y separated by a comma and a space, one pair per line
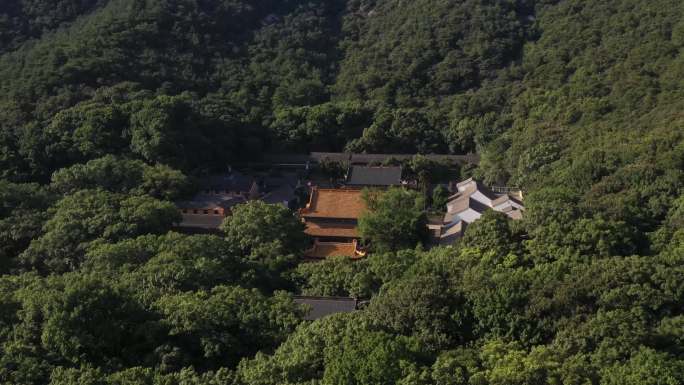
266, 64
21, 20
108, 109
571, 94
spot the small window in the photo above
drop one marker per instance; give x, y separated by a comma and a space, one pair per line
194, 211
206, 211
185, 211
216, 212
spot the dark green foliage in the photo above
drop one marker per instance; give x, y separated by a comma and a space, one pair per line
85, 319
215, 329
269, 236
401, 131
22, 213
395, 219
440, 197
168, 263
424, 307
324, 127
255, 224
412, 54
27, 19
123, 176
88, 215
153, 301
107, 108
367, 358
646, 367
492, 232
337, 277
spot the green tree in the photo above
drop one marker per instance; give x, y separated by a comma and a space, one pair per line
425, 307
440, 197
491, 233
217, 328
399, 131
157, 129
455, 367
85, 131
395, 219
87, 215
509, 364
256, 223
269, 237
646, 367
82, 319
22, 214
367, 358
81, 376
117, 174
168, 264
339, 276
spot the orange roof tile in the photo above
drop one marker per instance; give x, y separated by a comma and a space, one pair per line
334, 229
334, 203
334, 249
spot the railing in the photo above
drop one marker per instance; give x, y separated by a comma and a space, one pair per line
505, 189
516, 192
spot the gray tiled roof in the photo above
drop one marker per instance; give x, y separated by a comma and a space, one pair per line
464, 203
316, 157
323, 306
208, 201
233, 181
281, 195
374, 176
451, 233
202, 221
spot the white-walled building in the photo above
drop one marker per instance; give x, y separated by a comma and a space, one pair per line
469, 202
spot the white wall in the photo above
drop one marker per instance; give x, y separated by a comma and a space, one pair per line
465, 186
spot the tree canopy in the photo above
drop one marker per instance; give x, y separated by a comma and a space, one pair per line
395, 219
110, 109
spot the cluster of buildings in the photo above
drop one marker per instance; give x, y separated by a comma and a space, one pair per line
220, 193
331, 213
469, 201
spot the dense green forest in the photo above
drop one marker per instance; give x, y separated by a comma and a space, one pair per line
109, 110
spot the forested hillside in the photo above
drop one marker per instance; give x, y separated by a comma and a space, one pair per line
109, 110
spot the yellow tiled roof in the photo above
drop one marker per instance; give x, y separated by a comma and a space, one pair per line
334, 203
334, 229
334, 249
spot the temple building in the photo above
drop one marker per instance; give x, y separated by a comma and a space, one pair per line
331, 218
207, 212
470, 200
220, 193
364, 176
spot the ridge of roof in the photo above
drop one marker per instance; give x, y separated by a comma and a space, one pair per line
341, 230
464, 182
202, 201
322, 249
320, 297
